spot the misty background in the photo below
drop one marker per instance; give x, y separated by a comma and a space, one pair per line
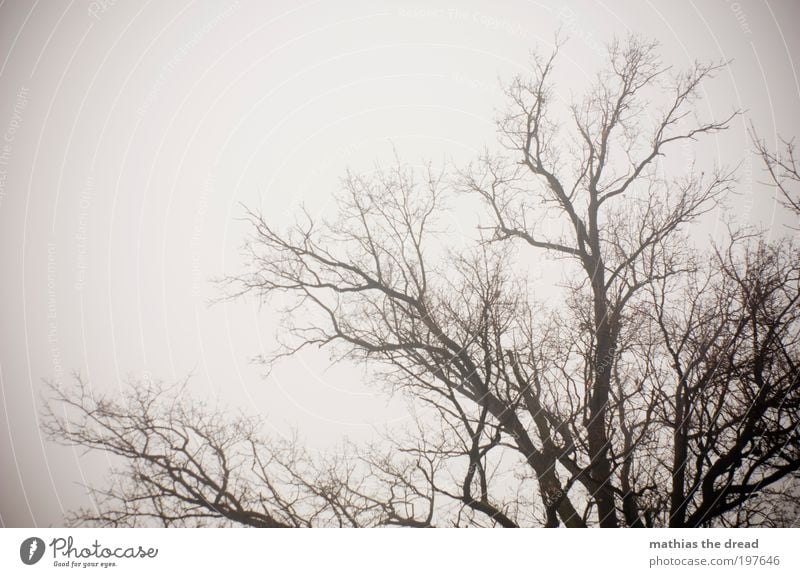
131, 133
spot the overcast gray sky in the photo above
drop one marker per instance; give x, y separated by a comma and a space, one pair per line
132, 131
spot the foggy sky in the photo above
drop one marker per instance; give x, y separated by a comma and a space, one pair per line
132, 132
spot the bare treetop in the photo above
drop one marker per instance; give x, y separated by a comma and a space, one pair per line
660, 391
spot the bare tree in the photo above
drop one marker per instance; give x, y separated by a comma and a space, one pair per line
184, 463
731, 395
783, 169
584, 184
657, 388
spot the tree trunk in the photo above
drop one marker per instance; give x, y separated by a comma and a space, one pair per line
598, 403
